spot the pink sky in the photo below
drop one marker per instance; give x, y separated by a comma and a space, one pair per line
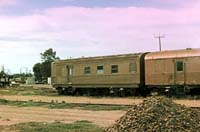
83, 31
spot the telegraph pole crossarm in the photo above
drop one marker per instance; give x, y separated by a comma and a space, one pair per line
159, 40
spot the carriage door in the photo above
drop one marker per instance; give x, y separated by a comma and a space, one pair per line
179, 73
69, 73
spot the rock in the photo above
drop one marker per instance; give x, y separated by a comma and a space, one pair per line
158, 114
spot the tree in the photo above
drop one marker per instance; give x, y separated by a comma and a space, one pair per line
49, 55
43, 70
37, 71
2, 73
46, 69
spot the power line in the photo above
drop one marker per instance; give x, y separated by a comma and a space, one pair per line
159, 40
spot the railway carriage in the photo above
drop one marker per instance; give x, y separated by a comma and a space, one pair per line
176, 71
116, 74
172, 72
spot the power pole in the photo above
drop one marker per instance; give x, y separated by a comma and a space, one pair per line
23, 70
159, 40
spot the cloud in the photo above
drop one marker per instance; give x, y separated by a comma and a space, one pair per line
123, 26
81, 31
7, 2
100, 25
16, 39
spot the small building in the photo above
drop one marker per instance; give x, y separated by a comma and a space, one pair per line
30, 80
49, 80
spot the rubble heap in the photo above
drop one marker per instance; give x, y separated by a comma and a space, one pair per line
158, 114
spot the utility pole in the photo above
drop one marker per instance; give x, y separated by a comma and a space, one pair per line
159, 40
22, 70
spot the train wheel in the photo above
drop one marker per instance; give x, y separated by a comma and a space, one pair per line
86, 92
114, 92
131, 92
121, 92
66, 92
60, 91
154, 92
77, 93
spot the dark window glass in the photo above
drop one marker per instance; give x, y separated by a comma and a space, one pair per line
87, 70
100, 70
179, 66
133, 67
114, 69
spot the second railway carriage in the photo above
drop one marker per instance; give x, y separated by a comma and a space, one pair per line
116, 74
176, 71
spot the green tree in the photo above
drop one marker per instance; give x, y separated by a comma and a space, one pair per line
37, 71
43, 70
49, 55
2, 73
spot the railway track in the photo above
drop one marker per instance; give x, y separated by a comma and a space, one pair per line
92, 101
113, 105
89, 104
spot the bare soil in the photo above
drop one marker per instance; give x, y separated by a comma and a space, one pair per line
13, 115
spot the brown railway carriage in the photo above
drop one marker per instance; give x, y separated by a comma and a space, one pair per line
114, 74
177, 70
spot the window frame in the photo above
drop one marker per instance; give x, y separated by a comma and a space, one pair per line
179, 66
87, 70
116, 68
135, 67
100, 71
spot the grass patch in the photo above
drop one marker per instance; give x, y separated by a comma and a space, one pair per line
63, 105
28, 91
78, 126
188, 97
105, 107
21, 103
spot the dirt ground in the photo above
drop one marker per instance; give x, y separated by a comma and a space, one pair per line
70, 99
14, 115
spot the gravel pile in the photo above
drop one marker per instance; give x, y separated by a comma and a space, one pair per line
158, 114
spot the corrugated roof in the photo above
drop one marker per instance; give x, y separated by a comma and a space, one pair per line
173, 54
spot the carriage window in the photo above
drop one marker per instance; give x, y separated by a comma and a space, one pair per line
179, 66
132, 67
87, 70
100, 70
114, 68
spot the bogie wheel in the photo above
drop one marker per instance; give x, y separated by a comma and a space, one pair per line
60, 91
121, 93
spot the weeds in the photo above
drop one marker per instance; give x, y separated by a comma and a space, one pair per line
28, 91
55, 105
78, 126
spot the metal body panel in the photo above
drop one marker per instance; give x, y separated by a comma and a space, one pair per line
161, 68
185, 53
124, 78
